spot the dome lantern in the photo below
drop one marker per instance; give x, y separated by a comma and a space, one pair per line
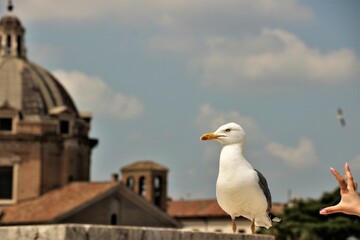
12, 35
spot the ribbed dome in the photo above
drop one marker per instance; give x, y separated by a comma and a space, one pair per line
30, 88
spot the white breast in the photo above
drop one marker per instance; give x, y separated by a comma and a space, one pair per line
237, 189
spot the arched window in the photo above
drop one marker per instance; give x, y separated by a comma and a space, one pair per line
8, 43
142, 186
157, 182
157, 190
19, 45
130, 183
113, 219
70, 178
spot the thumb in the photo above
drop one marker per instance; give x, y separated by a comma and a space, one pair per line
330, 210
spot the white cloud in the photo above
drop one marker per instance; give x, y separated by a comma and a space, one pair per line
274, 59
209, 119
303, 155
171, 14
219, 39
212, 33
91, 93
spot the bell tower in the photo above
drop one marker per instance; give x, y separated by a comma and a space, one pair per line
149, 180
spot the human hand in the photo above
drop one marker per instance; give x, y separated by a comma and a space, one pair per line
350, 199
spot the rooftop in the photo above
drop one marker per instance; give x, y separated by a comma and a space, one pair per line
56, 203
195, 208
144, 165
205, 208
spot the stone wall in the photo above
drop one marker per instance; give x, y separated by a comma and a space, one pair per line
27, 174
94, 232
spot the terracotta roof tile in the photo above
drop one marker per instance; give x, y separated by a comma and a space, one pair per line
195, 208
56, 203
204, 208
278, 208
144, 165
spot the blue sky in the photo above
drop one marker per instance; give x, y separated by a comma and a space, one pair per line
157, 74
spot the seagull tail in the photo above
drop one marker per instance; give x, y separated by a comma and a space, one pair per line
274, 218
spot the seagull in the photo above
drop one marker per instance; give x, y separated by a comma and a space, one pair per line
340, 117
241, 190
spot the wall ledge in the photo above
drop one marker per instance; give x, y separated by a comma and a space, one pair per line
94, 232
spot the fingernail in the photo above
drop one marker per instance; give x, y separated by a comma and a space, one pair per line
322, 211
346, 164
332, 169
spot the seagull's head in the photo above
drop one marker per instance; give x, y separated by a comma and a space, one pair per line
230, 133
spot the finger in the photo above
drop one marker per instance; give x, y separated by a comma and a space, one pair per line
339, 178
330, 210
349, 178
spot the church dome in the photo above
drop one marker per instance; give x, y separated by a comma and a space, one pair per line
24, 85
31, 89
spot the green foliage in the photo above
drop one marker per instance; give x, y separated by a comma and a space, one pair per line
302, 221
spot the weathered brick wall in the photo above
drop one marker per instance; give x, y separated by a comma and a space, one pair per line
46, 162
27, 178
94, 232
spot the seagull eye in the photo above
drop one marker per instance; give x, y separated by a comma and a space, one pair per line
228, 130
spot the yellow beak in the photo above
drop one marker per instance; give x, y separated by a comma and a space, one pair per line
209, 136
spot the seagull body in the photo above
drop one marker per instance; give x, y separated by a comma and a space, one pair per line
340, 117
241, 190
238, 191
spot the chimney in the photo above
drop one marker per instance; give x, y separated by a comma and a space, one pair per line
115, 177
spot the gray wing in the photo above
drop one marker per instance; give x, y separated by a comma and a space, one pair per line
340, 117
264, 186
342, 122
